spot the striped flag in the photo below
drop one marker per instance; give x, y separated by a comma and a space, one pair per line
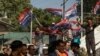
96, 8
25, 17
54, 11
71, 12
62, 24
63, 21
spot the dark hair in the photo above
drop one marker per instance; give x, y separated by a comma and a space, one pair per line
29, 47
75, 45
53, 45
4, 49
24, 45
16, 44
60, 41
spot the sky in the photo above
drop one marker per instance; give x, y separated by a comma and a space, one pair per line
51, 3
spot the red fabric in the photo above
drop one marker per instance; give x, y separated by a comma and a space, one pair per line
23, 13
97, 6
63, 21
98, 3
78, 28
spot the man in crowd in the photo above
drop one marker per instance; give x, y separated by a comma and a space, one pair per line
75, 48
16, 47
90, 39
60, 49
68, 48
6, 51
31, 50
24, 50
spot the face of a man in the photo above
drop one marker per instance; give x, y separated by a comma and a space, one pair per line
24, 50
68, 44
5, 50
75, 49
32, 50
61, 47
90, 22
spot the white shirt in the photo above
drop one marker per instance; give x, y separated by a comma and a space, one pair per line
28, 54
70, 53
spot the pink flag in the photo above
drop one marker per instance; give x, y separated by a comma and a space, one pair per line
97, 6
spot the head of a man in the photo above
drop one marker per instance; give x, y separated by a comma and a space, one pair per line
90, 21
68, 45
5, 50
16, 45
31, 49
24, 49
60, 46
75, 47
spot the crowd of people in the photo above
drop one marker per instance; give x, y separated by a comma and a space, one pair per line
56, 48
60, 47
73, 33
65, 48
17, 48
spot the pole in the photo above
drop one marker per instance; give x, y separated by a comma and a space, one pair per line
81, 11
2, 39
31, 29
63, 15
81, 15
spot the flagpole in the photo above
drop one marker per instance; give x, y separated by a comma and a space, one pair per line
82, 11
81, 15
31, 29
63, 15
63, 11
